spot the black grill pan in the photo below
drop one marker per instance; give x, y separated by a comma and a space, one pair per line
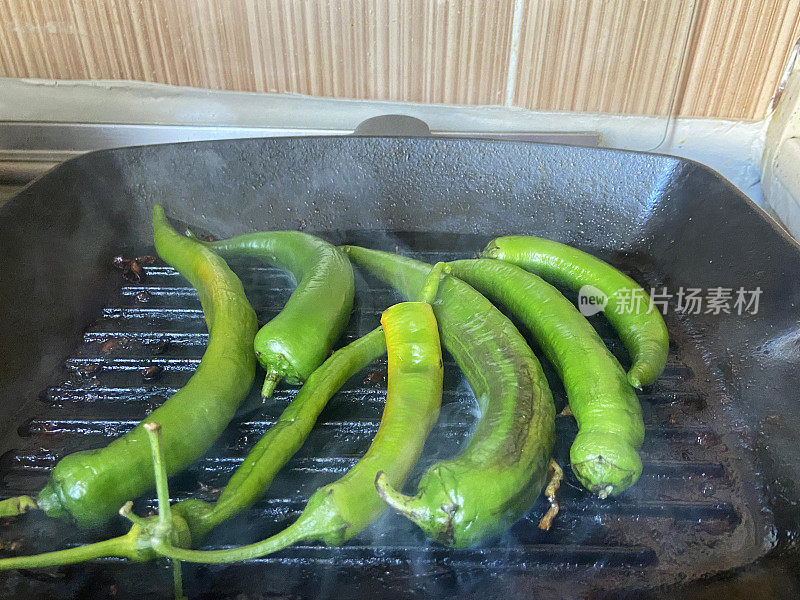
714, 512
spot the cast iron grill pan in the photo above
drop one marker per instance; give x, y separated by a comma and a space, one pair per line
696, 510
688, 490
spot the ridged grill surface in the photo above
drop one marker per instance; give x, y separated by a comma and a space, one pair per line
678, 520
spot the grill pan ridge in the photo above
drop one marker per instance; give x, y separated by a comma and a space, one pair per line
702, 505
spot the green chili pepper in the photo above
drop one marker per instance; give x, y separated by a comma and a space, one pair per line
90, 486
299, 338
496, 479
604, 455
340, 510
639, 325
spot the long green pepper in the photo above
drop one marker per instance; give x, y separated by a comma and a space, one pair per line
296, 341
639, 325
604, 454
89, 487
495, 480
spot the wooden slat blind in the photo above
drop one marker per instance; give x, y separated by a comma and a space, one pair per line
613, 56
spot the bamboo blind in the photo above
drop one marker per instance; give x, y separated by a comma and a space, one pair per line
613, 56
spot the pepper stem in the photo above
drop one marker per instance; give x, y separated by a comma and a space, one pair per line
270, 381
397, 500
177, 580
431, 286
18, 505
162, 488
556, 476
296, 532
121, 546
127, 512
163, 531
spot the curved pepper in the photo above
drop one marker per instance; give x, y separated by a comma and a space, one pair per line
296, 341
